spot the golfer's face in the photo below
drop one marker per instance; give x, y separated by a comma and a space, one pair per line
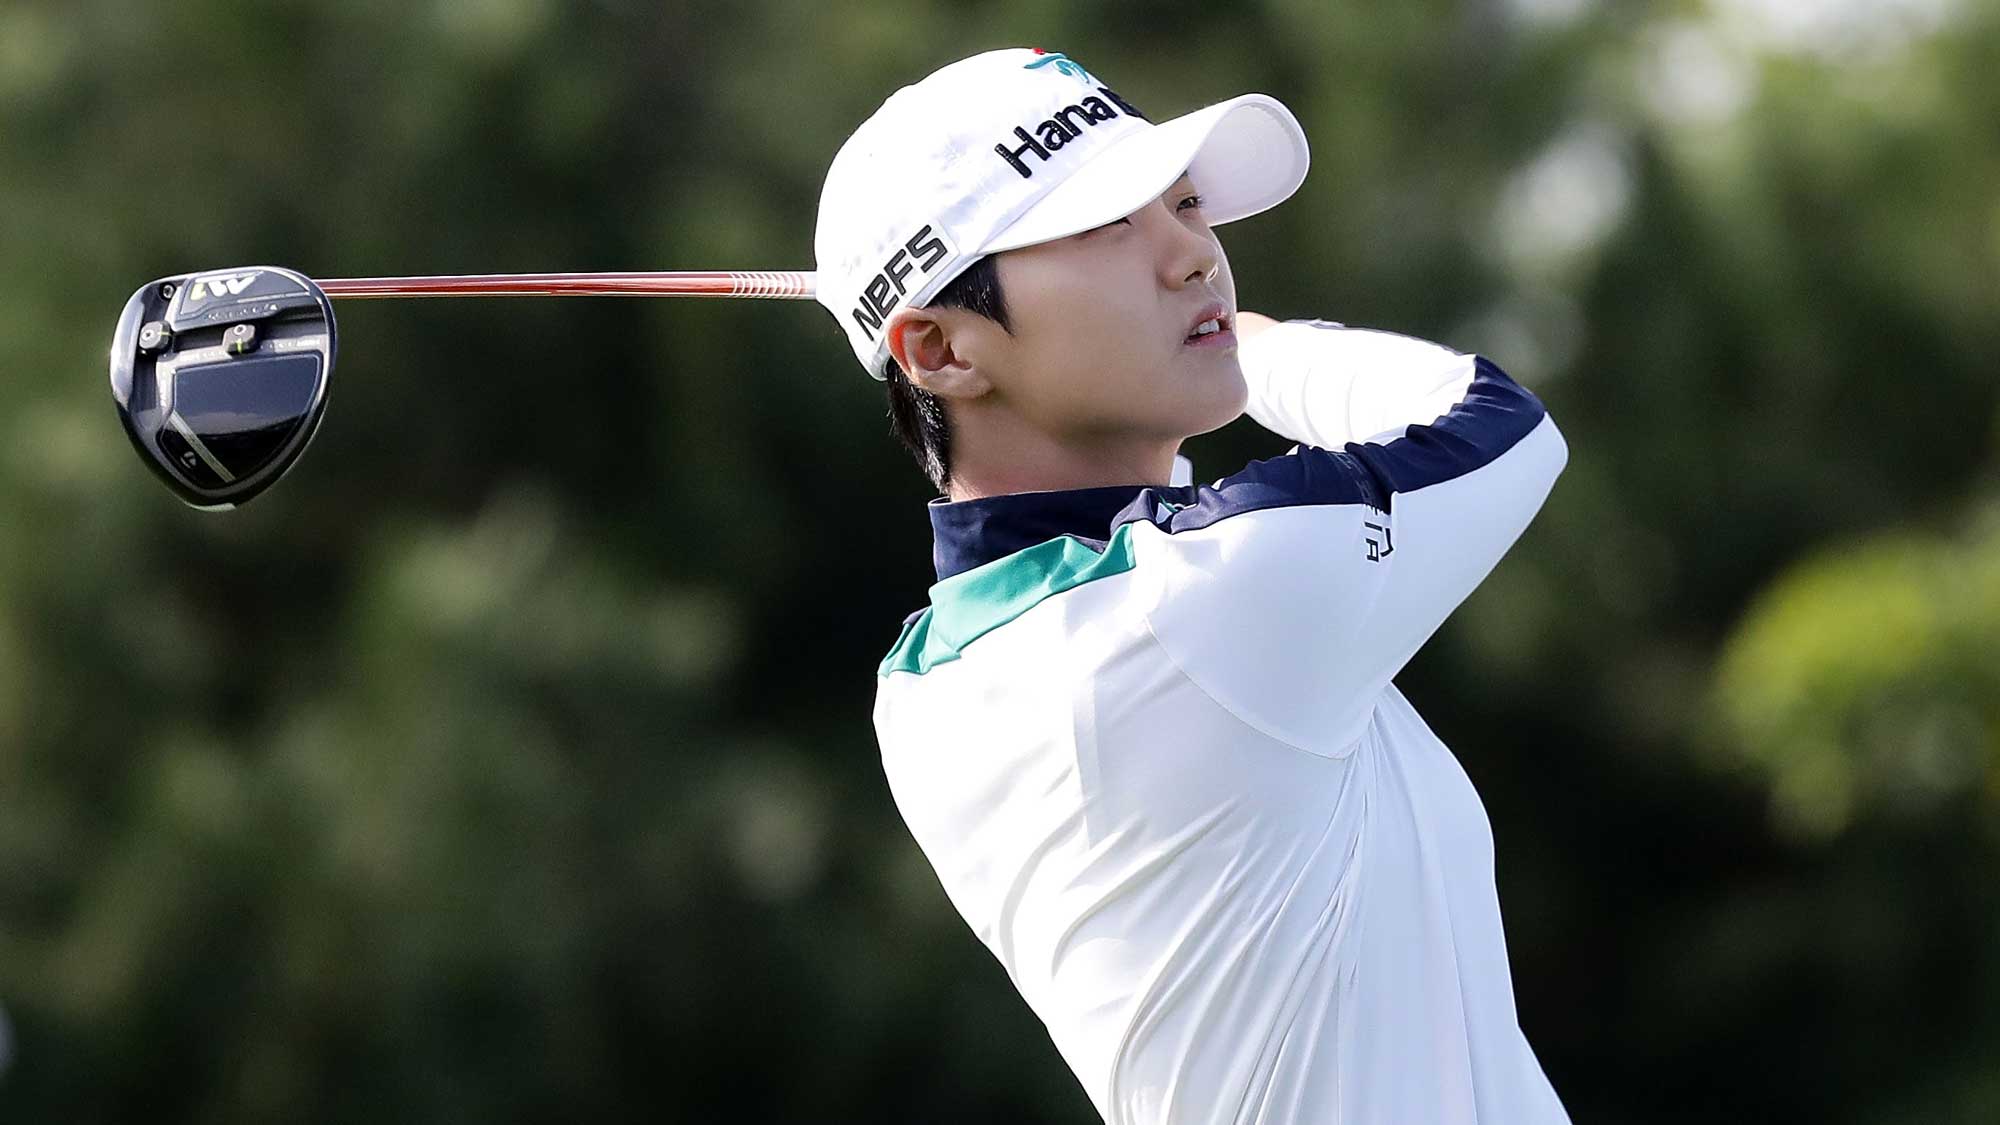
1102, 323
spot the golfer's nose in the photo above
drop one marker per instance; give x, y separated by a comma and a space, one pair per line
1189, 255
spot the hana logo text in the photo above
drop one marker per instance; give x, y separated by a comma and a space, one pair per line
1067, 125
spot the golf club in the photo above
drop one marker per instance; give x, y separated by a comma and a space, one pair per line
220, 377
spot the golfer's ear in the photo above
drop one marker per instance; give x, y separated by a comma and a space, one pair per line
922, 340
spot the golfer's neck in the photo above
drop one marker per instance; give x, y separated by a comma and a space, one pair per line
993, 461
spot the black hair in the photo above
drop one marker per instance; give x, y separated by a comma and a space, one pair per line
916, 415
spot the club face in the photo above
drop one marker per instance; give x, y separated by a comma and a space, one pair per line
220, 378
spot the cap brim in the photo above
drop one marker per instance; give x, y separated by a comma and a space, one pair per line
1245, 155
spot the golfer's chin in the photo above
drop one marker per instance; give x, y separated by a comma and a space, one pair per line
1213, 391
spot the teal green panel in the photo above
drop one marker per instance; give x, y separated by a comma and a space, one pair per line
967, 606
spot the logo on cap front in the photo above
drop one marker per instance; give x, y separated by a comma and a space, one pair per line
1068, 123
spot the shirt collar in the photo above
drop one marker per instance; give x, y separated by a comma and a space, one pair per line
970, 533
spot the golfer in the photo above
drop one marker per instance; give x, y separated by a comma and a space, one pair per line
1145, 732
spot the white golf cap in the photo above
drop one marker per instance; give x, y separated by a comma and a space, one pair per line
1014, 147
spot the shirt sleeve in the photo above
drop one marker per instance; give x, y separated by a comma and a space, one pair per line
1319, 383
1293, 591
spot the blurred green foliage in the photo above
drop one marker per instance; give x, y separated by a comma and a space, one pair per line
512, 760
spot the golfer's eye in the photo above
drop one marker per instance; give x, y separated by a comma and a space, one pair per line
1193, 203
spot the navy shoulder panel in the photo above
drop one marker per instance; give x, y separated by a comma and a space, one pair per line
1306, 476
1494, 414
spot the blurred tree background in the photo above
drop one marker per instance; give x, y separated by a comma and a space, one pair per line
512, 759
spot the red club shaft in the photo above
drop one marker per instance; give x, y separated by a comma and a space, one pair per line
769, 284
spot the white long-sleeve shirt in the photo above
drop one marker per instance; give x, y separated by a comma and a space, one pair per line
1148, 740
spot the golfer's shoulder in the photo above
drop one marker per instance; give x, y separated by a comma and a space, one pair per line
1216, 558
1263, 492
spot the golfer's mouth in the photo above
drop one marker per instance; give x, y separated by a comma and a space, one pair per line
1213, 328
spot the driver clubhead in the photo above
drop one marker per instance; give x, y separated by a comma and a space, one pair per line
220, 378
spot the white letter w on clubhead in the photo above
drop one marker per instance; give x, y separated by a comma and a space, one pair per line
216, 285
